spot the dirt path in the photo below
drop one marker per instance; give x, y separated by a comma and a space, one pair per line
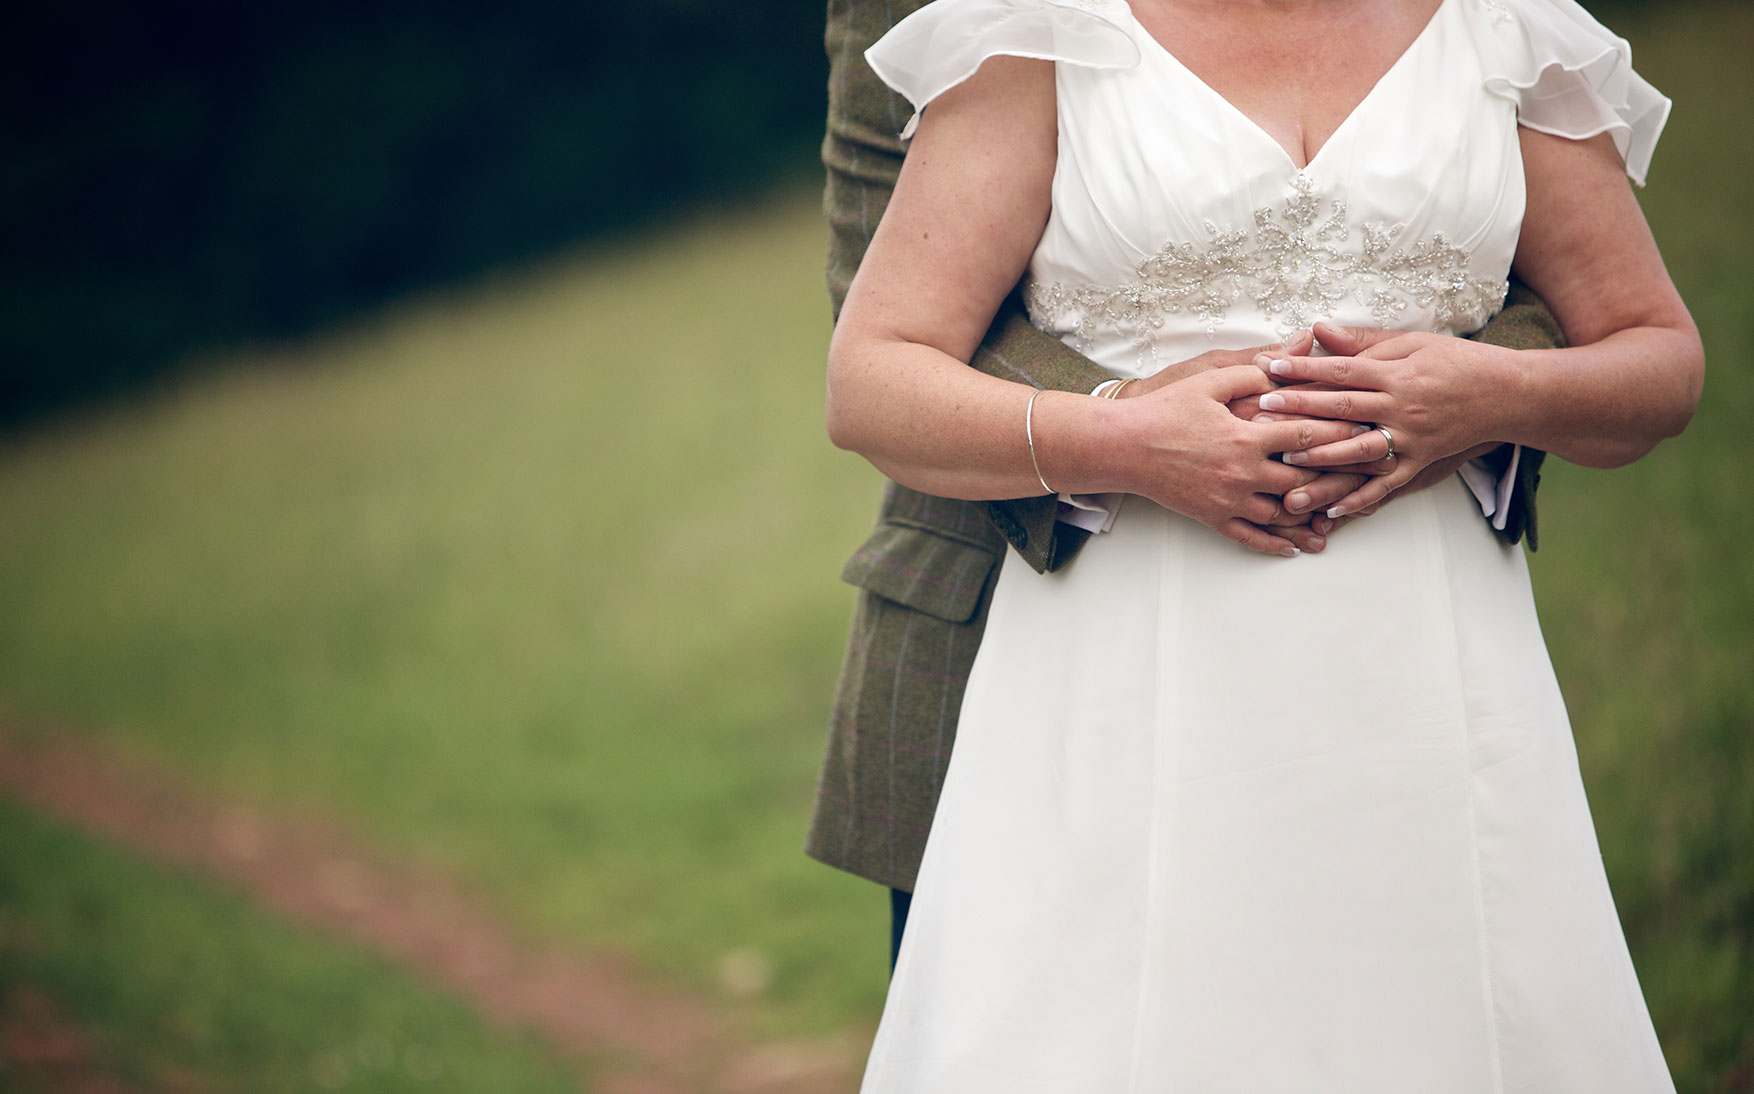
44, 1050
640, 1039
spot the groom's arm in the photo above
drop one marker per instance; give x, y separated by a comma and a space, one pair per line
863, 152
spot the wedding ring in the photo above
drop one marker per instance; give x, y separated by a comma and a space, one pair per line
1389, 437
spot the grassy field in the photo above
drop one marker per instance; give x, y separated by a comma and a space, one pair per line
192, 989
535, 581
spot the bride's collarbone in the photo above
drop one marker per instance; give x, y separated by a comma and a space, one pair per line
1296, 68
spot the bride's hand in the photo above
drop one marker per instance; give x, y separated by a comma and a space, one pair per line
1437, 396
1181, 447
1292, 518
1305, 527
1295, 517
1327, 488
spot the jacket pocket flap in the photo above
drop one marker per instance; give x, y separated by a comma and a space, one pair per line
923, 570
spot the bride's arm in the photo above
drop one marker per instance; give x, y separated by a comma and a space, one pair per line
1635, 374
968, 210
969, 205
1631, 376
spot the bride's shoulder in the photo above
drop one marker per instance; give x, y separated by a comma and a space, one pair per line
944, 43
1568, 75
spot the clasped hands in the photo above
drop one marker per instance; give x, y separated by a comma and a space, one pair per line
1315, 458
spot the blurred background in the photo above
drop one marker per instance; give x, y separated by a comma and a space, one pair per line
418, 554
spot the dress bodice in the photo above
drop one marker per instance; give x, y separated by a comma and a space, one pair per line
1179, 225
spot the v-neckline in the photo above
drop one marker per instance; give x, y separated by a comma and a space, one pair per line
1357, 108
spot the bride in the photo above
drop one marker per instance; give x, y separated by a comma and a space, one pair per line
1219, 820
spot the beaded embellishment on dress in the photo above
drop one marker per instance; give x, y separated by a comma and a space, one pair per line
1496, 8
1297, 268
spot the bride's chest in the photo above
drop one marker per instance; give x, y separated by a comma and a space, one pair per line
1297, 73
1165, 193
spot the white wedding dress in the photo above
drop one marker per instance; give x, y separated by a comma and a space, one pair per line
1224, 822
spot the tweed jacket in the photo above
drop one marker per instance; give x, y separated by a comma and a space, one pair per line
925, 574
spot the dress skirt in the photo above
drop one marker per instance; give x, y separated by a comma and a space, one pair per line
1219, 821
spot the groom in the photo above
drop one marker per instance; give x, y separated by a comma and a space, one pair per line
926, 573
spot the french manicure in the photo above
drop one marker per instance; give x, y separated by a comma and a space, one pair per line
1358, 430
1297, 457
1279, 367
1337, 512
1290, 552
1272, 400
1264, 419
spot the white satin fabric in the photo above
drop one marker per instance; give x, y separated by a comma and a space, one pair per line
1224, 822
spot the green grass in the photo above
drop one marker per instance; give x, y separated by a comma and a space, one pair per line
178, 984
536, 581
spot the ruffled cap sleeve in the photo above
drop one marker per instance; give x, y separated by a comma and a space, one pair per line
1570, 76
945, 42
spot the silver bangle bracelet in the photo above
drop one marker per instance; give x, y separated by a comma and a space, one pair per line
1029, 435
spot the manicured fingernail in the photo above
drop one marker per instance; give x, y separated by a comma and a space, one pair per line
1263, 418
1360, 429
1272, 400
1337, 512
1297, 457
1279, 367
1322, 526
1297, 501
1290, 552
